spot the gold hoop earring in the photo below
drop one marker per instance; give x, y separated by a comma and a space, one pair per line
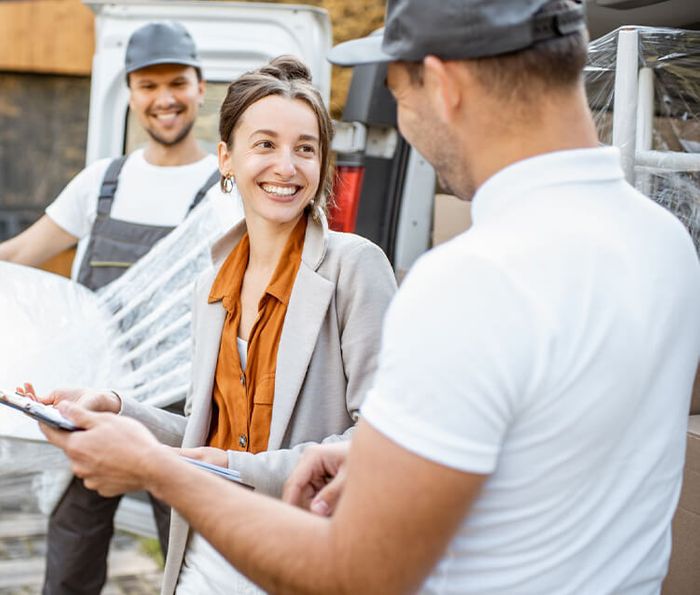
227, 183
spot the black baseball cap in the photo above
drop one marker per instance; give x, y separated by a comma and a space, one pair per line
166, 42
459, 29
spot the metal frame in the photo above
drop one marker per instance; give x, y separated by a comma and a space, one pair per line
633, 115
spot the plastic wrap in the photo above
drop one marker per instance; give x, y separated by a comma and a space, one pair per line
51, 327
132, 335
149, 310
651, 76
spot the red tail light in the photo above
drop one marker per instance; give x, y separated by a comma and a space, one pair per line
346, 191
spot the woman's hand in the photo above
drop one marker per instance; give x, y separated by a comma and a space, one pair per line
93, 400
207, 454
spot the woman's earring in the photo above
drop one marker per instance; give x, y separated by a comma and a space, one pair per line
227, 183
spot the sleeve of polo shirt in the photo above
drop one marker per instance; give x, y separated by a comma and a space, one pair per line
456, 360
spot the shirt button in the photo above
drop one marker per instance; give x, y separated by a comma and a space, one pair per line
243, 440
243, 379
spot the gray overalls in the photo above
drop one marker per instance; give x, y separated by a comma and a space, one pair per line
81, 525
115, 245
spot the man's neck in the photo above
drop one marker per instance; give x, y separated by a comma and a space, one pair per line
559, 124
183, 153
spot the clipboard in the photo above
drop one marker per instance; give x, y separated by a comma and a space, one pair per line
38, 411
226, 473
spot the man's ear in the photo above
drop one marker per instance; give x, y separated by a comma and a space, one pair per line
443, 87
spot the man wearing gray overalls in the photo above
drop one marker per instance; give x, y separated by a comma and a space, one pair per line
117, 210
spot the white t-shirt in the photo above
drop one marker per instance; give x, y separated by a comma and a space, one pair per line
558, 340
146, 193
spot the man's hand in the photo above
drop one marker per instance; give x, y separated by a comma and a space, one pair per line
112, 454
207, 454
318, 480
90, 399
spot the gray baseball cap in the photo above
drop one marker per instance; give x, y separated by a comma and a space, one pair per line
458, 29
165, 42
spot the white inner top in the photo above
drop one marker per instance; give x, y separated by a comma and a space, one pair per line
242, 352
205, 570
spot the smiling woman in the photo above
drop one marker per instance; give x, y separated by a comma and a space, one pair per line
299, 307
286, 327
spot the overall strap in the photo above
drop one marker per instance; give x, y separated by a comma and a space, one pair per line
109, 186
201, 193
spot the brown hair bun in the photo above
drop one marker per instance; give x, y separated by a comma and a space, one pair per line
287, 68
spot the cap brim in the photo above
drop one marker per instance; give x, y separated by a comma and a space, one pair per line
367, 50
157, 62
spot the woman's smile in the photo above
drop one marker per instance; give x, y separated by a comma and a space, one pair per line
281, 192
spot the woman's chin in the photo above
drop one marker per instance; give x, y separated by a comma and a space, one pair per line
281, 215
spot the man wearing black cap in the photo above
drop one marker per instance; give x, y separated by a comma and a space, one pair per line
525, 432
117, 210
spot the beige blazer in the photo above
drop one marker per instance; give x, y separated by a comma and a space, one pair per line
325, 363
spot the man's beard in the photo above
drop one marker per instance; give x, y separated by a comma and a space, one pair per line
464, 189
453, 176
440, 150
171, 142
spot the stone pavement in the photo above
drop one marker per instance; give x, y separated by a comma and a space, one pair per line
23, 547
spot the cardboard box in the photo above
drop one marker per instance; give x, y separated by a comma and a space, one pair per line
451, 216
695, 401
684, 570
60, 264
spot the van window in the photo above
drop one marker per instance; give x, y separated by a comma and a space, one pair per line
206, 128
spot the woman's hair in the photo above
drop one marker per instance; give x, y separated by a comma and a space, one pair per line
287, 77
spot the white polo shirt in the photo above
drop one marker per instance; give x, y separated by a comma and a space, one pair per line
552, 347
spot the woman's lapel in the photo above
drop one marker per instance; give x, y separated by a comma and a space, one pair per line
210, 322
306, 312
308, 304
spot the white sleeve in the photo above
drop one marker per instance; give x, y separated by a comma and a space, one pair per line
457, 360
75, 207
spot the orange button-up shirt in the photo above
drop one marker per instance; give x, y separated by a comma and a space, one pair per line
242, 400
